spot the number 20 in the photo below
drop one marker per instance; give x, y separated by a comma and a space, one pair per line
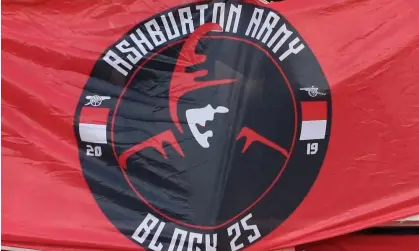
93, 151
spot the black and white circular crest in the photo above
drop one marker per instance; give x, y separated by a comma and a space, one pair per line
204, 126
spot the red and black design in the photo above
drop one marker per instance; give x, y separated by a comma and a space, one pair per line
206, 132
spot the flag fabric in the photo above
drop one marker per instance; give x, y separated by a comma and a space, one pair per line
366, 242
121, 132
314, 120
92, 125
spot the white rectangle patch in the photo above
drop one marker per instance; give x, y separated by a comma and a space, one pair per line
93, 133
313, 129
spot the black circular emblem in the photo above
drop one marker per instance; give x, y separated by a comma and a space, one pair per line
204, 127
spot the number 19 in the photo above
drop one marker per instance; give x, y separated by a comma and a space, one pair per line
312, 148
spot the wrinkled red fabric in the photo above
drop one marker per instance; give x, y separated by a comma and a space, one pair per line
368, 50
365, 243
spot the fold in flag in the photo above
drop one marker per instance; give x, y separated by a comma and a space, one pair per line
92, 125
314, 119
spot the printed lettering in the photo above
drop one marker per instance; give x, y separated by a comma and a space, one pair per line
155, 33
186, 20
268, 26
233, 14
254, 22
125, 47
115, 61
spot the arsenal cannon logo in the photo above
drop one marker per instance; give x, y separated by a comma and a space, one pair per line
204, 127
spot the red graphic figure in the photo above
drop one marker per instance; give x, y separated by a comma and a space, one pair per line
183, 82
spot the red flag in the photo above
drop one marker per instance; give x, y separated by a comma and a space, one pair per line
92, 125
220, 125
359, 242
